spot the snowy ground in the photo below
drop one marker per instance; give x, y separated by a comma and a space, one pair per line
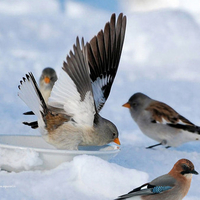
160, 58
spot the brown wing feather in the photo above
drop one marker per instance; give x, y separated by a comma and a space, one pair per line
161, 111
53, 121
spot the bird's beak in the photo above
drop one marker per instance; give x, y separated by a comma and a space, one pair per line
47, 80
116, 140
194, 172
127, 105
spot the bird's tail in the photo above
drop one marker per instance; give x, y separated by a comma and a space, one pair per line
191, 128
198, 129
29, 92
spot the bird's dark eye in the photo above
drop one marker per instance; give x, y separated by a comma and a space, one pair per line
114, 134
134, 104
186, 169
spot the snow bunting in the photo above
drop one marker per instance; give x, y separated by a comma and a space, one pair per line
71, 117
161, 122
46, 83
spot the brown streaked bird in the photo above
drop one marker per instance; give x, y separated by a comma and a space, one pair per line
71, 117
160, 122
46, 83
172, 186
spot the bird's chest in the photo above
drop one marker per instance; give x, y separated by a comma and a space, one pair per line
144, 120
153, 129
46, 93
90, 137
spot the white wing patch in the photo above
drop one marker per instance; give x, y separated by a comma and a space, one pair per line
65, 95
97, 91
164, 121
181, 122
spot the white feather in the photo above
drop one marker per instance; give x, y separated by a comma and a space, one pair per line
28, 94
97, 90
167, 122
66, 95
163, 121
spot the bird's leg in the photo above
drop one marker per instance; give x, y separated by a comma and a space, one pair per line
155, 145
164, 142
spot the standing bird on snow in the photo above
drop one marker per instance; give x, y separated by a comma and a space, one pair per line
71, 117
161, 122
172, 186
46, 83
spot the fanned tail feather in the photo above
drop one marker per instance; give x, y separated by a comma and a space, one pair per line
29, 92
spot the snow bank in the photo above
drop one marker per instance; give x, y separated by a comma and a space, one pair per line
19, 159
160, 58
86, 177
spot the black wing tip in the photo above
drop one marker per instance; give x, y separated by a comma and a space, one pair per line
28, 113
26, 77
23, 80
121, 17
77, 41
33, 125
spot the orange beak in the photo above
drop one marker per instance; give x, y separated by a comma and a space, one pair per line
47, 80
116, 140
127, 105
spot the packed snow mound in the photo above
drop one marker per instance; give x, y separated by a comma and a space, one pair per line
86, 177
19, 159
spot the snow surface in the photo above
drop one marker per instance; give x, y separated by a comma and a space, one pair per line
19, 159
160, 58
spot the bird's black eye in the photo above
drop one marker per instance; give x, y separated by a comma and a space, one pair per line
134, 104
114, 134
186, 169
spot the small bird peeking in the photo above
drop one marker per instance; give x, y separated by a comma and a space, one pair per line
71, 117
160, 122
172, 186
46, 83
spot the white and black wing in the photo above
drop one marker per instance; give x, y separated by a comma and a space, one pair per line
73, 91
29, 92
104, 52
164, 114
